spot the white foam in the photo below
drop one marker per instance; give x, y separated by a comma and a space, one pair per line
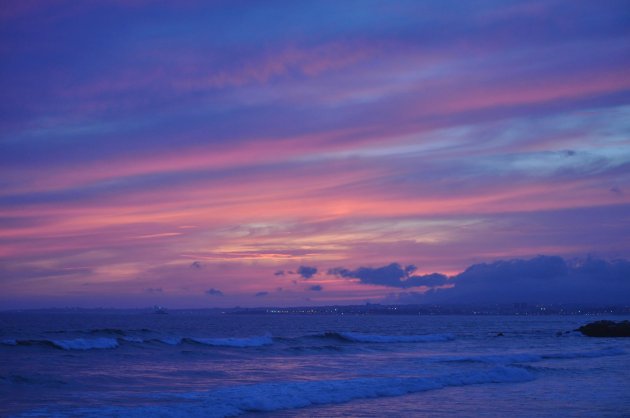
236, 342
86, 344
368, 338
269, 397
276, 396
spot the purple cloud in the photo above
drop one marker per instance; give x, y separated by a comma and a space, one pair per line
543, 279
214, 292
391, 275
306, 272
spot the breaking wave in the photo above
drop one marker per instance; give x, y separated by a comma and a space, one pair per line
103, 342
234, 342
86, 344
73, 344
269, 397
119, 336
168, 340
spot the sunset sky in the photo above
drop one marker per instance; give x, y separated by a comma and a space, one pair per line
220, 153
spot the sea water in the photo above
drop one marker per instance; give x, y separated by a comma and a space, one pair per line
203, 364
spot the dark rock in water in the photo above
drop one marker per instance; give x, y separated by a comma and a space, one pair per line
500, 334
606, 329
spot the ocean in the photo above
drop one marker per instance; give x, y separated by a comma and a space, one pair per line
203, 364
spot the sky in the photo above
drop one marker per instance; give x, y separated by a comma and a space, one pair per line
244, 153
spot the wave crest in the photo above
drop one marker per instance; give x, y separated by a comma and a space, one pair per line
86, 344
234, 342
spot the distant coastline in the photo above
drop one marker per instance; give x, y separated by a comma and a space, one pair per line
517, 309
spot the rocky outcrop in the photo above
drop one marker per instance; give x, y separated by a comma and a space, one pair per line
606, 329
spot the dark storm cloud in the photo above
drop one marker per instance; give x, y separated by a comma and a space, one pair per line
391, 275
196, 265
543, 279
279, 273
541, 267
316, 288
214, 292
306, 272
